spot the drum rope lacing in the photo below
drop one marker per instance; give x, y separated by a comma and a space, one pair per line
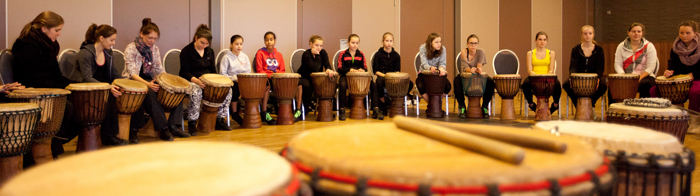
14, 139
653, 166
316, 174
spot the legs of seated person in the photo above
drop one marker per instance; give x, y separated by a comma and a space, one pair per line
223, 109
307, 90
600, 91
694, 96
488, 92
155, 109
527, 91
342, 89
459, 91
645, 86
110, 125
195, 102
421, 86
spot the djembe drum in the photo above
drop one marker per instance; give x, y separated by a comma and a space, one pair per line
584, 86
434, 87
90, 105
397, 87
542, 87
213, 96
133, 93
381, 159
358, 85
647, 162
324, 90
215, 168
17, 123
473, 86
674, 88
507, 86
53, 104
173, 91
285, 86
667, 120
623, 86
252, 87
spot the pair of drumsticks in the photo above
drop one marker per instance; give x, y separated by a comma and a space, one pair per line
483, 139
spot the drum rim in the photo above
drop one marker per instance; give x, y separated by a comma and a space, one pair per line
88, 86
22, 93
252, 75
170, 87
624, 75
207, 79
137, 86
285, 75
18, 106
358, 74
507, 76
623, 109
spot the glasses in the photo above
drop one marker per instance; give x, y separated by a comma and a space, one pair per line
473, 43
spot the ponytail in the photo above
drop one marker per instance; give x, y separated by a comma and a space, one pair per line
94, 32
46, 19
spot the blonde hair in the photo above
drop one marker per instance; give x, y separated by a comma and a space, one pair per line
387, 34
587, 27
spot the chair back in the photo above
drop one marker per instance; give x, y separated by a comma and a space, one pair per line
171, 61
6, 66
296, 60
506, 62
68, 64
119, 60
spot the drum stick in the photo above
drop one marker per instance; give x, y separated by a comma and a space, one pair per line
508, 137
494, 149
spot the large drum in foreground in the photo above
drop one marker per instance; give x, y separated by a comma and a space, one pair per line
53, 104
647, 162
623, 86
397, 84
434, 87
133, 93
380, 159
213, 96
358, 86
90, 105
543, 87
181, 168
474, 86
507, 86
285, 86
584, 86
324, 90
252, 87
667, 120
18, 121
674, 88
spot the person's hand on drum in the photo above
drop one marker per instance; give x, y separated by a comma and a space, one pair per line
433, 69
473, 70
443, 72
379, 74
361, 70
668, 73
115, 91
155, 87
10, 87
198, 82
330, 72
353, 70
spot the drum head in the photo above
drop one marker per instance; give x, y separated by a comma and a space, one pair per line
615, 137
216, 80
88, 86
676, 78
625, 75
620, 108
428, 72
181, 168
397, 75
35, 92
587, 75
506, 76
383, 152
11, 107
358, 74
286, 75
543, 75
252, 75
172, 83
130, 85
319, 74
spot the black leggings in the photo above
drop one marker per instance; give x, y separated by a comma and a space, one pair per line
488, 92
151, 106
377, 90
235, 92
527, 90
307, 91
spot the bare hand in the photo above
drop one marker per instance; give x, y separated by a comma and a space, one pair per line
155, 87
668, 73
433, 69
115, 91
353, 70
443, 72
198, 82
314, 51
330, 72
361, 70
473, 70
13, 86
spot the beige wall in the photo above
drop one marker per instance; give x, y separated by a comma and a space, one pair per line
21, 12
251, 19
481, 18
547, 17
332, 20
371, 19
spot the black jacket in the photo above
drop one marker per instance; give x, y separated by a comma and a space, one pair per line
346, 62
193, 65
386, 62
593, 64
35, 64
89, 68
679, 68
311, 64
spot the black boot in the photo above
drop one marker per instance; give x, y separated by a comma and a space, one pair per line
377, 114
342, 115
177, 131
221, 125
114, 141
56, 147
133, 136
236, 116
192, 127
165, 134
553, 108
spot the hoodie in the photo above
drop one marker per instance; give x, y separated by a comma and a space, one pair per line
232, 65
593, 64
311, 63
635, 62
269, 62
386, 62
35, 64
90, 70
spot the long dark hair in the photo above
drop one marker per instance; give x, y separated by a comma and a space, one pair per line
203, 31
94, 32
430, 51
46, 19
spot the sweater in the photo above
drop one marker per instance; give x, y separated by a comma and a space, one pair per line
479, 57
134, 63
678, 67
311, 63
87, 64
595, 63
643, 59
347, 62
269, 62
232, 65
437, 62
193, 65
386, 62
34, 64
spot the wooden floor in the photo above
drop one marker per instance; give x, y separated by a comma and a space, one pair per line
274, 138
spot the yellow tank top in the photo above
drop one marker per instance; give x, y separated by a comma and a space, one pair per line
540, 66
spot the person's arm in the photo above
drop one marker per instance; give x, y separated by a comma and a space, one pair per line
423, 55
212, 60
481, 60
133, 61
364, 61
324, 60
260, 65
619, 59
396, 67
307, 65
158, 66
573, 63
280, 61
376, 67
600, 63
225, 67
342, 68
529, 62
651, 59
552, 62
85, 59
186, 66
442, 59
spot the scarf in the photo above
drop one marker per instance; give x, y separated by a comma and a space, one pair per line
40, 38
689, 54
145, 51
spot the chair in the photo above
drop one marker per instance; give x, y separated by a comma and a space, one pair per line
458, 64
416, 66
506, 62
220, 56
119, 60
374, 77
295, 64
67, 62
6, 66
171, 62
